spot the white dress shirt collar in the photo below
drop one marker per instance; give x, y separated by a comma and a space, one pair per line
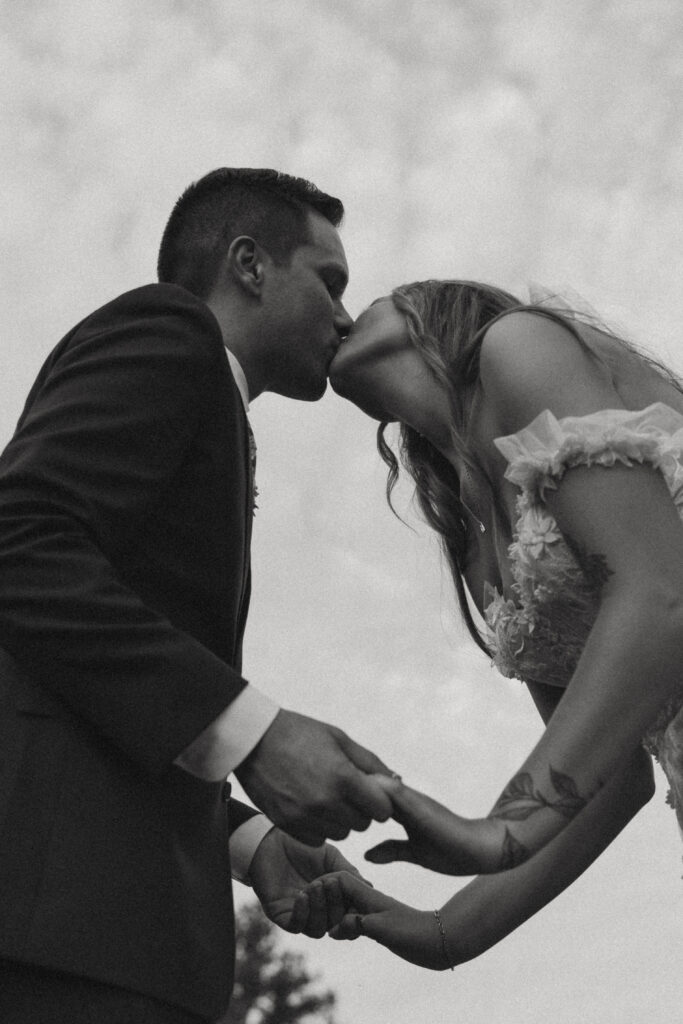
240, 379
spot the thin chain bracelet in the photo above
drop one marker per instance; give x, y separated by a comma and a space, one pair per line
444, 945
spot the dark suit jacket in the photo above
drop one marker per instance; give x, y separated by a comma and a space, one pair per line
125, 523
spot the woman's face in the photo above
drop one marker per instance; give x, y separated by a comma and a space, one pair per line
373, 359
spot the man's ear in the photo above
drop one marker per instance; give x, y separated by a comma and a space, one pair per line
244, 263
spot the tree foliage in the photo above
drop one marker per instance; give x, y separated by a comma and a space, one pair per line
272, 986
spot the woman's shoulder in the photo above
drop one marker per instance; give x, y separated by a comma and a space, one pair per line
528, 348
530, 362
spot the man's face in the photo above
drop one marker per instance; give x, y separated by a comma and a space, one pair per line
308, 320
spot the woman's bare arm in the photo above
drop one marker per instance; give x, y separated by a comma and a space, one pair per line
492, 906
624, 518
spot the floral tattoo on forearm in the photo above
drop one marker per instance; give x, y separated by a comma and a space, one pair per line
513, 852
520, 799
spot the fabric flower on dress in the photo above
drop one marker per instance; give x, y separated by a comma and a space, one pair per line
508, 631
536, 530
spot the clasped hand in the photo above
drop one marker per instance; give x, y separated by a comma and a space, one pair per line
317, 891
436, 839
314, 891
314, 781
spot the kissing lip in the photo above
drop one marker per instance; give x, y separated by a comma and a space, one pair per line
336, 345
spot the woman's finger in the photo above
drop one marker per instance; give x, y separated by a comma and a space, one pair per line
351, 927
391, 850
411, 806
316, 925
366, 793
299, 915
390, 782
334, 901
362, 898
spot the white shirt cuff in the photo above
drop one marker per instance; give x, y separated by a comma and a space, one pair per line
243, 723
244, 842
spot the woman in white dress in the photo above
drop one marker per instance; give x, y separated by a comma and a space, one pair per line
548, 454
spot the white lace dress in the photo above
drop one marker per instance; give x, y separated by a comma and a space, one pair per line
538, 634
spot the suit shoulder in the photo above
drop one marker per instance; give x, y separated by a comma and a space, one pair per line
154, 314
163, 301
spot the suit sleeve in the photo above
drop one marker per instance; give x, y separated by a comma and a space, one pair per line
240, 813
104, 431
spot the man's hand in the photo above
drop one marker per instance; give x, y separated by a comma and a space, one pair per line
282, 867
313, 781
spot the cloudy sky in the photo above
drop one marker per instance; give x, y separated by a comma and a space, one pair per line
515, 141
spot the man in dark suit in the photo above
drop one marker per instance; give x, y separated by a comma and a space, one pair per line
126, 502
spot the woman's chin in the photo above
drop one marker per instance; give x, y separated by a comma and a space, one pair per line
343, 384
338, 379
345, 388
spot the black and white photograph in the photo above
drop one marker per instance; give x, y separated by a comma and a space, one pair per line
341, 512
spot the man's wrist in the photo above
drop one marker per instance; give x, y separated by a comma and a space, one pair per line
247, 721
231, 737
244, 842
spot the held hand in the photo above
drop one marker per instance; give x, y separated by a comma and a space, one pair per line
281, 870
313, 781
413, 935
436, 838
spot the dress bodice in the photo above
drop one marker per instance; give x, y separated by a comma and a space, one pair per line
538, 630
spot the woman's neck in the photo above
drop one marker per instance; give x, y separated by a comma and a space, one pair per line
423, 403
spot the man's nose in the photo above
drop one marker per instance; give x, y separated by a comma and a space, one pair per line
342, 321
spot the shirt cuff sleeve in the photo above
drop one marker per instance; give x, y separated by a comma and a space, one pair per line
244, 842
243, 723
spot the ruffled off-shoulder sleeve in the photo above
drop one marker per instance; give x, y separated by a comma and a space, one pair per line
540, 453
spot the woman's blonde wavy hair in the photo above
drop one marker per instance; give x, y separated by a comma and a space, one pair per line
446, 322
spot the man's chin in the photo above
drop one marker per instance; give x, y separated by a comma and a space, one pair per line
315, 396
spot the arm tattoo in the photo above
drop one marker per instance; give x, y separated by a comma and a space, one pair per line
594, 567
513, 853
519, 800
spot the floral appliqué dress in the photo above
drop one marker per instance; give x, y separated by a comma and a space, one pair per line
538, 633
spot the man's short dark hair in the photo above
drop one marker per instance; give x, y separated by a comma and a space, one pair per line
269, 206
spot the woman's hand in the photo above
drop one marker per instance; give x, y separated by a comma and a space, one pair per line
436, 838
279, 871
413, 935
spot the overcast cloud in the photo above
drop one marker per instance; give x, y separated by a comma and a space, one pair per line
515, 141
